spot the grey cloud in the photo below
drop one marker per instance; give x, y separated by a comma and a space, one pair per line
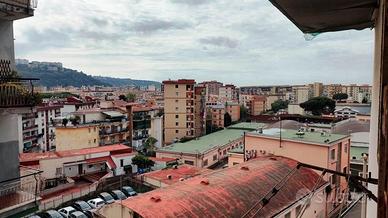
148, 25
220, 41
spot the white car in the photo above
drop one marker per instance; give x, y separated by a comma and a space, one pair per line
96, 203
66, 211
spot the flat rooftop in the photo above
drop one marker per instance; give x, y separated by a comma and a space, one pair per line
216, 139
307, 137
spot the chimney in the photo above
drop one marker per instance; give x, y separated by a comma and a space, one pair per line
130, 124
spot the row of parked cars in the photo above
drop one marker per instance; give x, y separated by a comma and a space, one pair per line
85, 209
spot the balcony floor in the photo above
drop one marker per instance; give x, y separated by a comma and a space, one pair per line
14, 199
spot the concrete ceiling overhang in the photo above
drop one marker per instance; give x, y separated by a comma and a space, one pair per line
318, 16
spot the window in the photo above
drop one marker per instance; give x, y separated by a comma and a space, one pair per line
224, 152
345, 170
288, 215
176, 124
176, 116
215, 157
176, 108
332, 154
346, 148
205, 162
95, 140
121, 162
177, 93
90, 166
58, 171
189, 162
176, 131
235, 163
176, 100
176, 86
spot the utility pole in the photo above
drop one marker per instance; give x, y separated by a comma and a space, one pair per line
364, 175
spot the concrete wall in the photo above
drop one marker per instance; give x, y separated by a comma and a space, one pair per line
6, 42
9, 146
235, 158
76, 137
156, 130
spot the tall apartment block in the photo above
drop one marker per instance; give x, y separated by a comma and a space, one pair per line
183, 109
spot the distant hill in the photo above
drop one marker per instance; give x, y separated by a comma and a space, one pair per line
53, 74
127, 82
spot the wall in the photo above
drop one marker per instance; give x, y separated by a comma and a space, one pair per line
235, 158
156, 130
9, 145
295, 109
81, 137
6, 42
67, 110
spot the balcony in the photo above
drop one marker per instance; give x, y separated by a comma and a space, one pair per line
17, 9
15, 91
20, 194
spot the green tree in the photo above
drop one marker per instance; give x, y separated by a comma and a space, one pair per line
123, 97
243, 113
65, 121
279, 104
149, 144
142, 161
364, 100
227, 119
75, 120
319, 105
131, 97
340, 96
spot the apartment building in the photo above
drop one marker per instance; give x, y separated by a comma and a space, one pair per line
212, 87
183, 110
332, 89
46, 117
316, 89
141, 126
234, 110
301, 94
228, 93
216, 113
257, 105
327, 150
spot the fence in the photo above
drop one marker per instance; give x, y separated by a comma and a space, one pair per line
68, 197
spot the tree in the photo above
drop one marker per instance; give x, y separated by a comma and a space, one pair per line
149, 144
364, 100
340, 96
123, 97
131, 97
75, 120
65, 121
227, 119
142, 161
319, 105
279, 104
243, 113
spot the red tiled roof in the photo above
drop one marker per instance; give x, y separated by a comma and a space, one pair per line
28, 157
228, 192
183, 171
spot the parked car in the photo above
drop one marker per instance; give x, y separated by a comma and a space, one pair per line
118, 195
66, 211
96, 203
78, 214
128, 191
84, 207
106, 197
35, 216
51, 214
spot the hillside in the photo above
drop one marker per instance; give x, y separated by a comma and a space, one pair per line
127, 82
51, 75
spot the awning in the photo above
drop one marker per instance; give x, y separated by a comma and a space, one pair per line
113, 114
317, 16
108, 160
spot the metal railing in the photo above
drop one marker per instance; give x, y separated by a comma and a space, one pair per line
24, 188
14, 90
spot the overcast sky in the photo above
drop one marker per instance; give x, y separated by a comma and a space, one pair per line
245, 42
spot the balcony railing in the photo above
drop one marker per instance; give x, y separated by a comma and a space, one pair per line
15, 91
19, 191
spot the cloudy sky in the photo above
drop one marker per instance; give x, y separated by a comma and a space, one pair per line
246, 42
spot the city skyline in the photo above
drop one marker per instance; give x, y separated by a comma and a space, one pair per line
227, 41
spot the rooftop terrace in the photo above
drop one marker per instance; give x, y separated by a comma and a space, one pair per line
306, 137
217, 139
